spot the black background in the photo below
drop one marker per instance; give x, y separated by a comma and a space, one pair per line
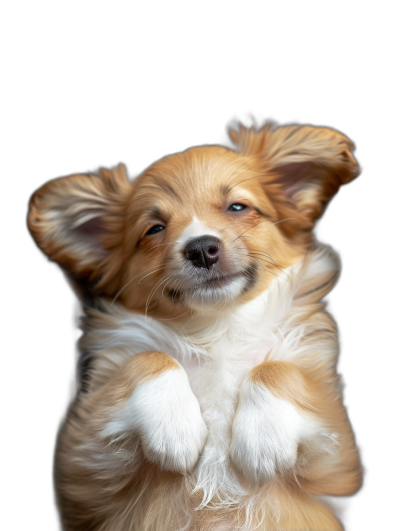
75, 110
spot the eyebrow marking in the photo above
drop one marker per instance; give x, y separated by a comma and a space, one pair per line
225, 189
156, 212
164, 185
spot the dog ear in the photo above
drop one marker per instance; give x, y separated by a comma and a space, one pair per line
302, 167
78, 221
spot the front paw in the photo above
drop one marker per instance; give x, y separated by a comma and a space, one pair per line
169, 421
265, 434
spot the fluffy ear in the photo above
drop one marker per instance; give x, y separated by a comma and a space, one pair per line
78, 220
303, 166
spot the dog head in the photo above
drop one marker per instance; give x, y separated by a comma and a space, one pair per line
198, 230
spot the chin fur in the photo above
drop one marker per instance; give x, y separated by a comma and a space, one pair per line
217, 292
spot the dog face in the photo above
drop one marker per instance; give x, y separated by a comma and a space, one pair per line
200, 227
198, 230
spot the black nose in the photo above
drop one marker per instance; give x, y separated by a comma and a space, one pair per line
203, 251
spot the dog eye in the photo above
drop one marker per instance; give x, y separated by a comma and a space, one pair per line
237, 207
154, 230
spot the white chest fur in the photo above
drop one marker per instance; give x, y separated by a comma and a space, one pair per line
217, 354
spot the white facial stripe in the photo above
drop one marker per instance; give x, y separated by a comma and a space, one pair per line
195, 229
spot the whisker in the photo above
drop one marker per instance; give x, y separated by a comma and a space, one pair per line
259, 223
178, 287
264, 253
272, 262
251, 168
255, 225
244, 180
159, 245
259, 262
280, 221
155, 271
258, 258
226, 301
125, 285
262, 256
162, 293
251, 237
152, 293
177, 317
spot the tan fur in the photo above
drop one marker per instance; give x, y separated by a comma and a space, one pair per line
137, 369
87, 418
314, 391
96, 227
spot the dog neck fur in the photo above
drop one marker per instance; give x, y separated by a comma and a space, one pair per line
218, 352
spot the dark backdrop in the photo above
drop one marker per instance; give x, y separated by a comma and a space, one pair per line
69, 117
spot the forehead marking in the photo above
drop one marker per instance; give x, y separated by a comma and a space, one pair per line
164, 185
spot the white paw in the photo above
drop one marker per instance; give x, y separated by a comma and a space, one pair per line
172, 429
166, 415
266, 433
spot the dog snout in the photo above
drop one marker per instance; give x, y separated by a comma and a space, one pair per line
203, 251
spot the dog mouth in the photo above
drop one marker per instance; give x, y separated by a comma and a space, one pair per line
242, 280
218, 281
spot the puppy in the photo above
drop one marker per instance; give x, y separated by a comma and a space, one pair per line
209, 399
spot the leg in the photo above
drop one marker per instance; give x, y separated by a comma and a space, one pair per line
147, 409
291, 422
